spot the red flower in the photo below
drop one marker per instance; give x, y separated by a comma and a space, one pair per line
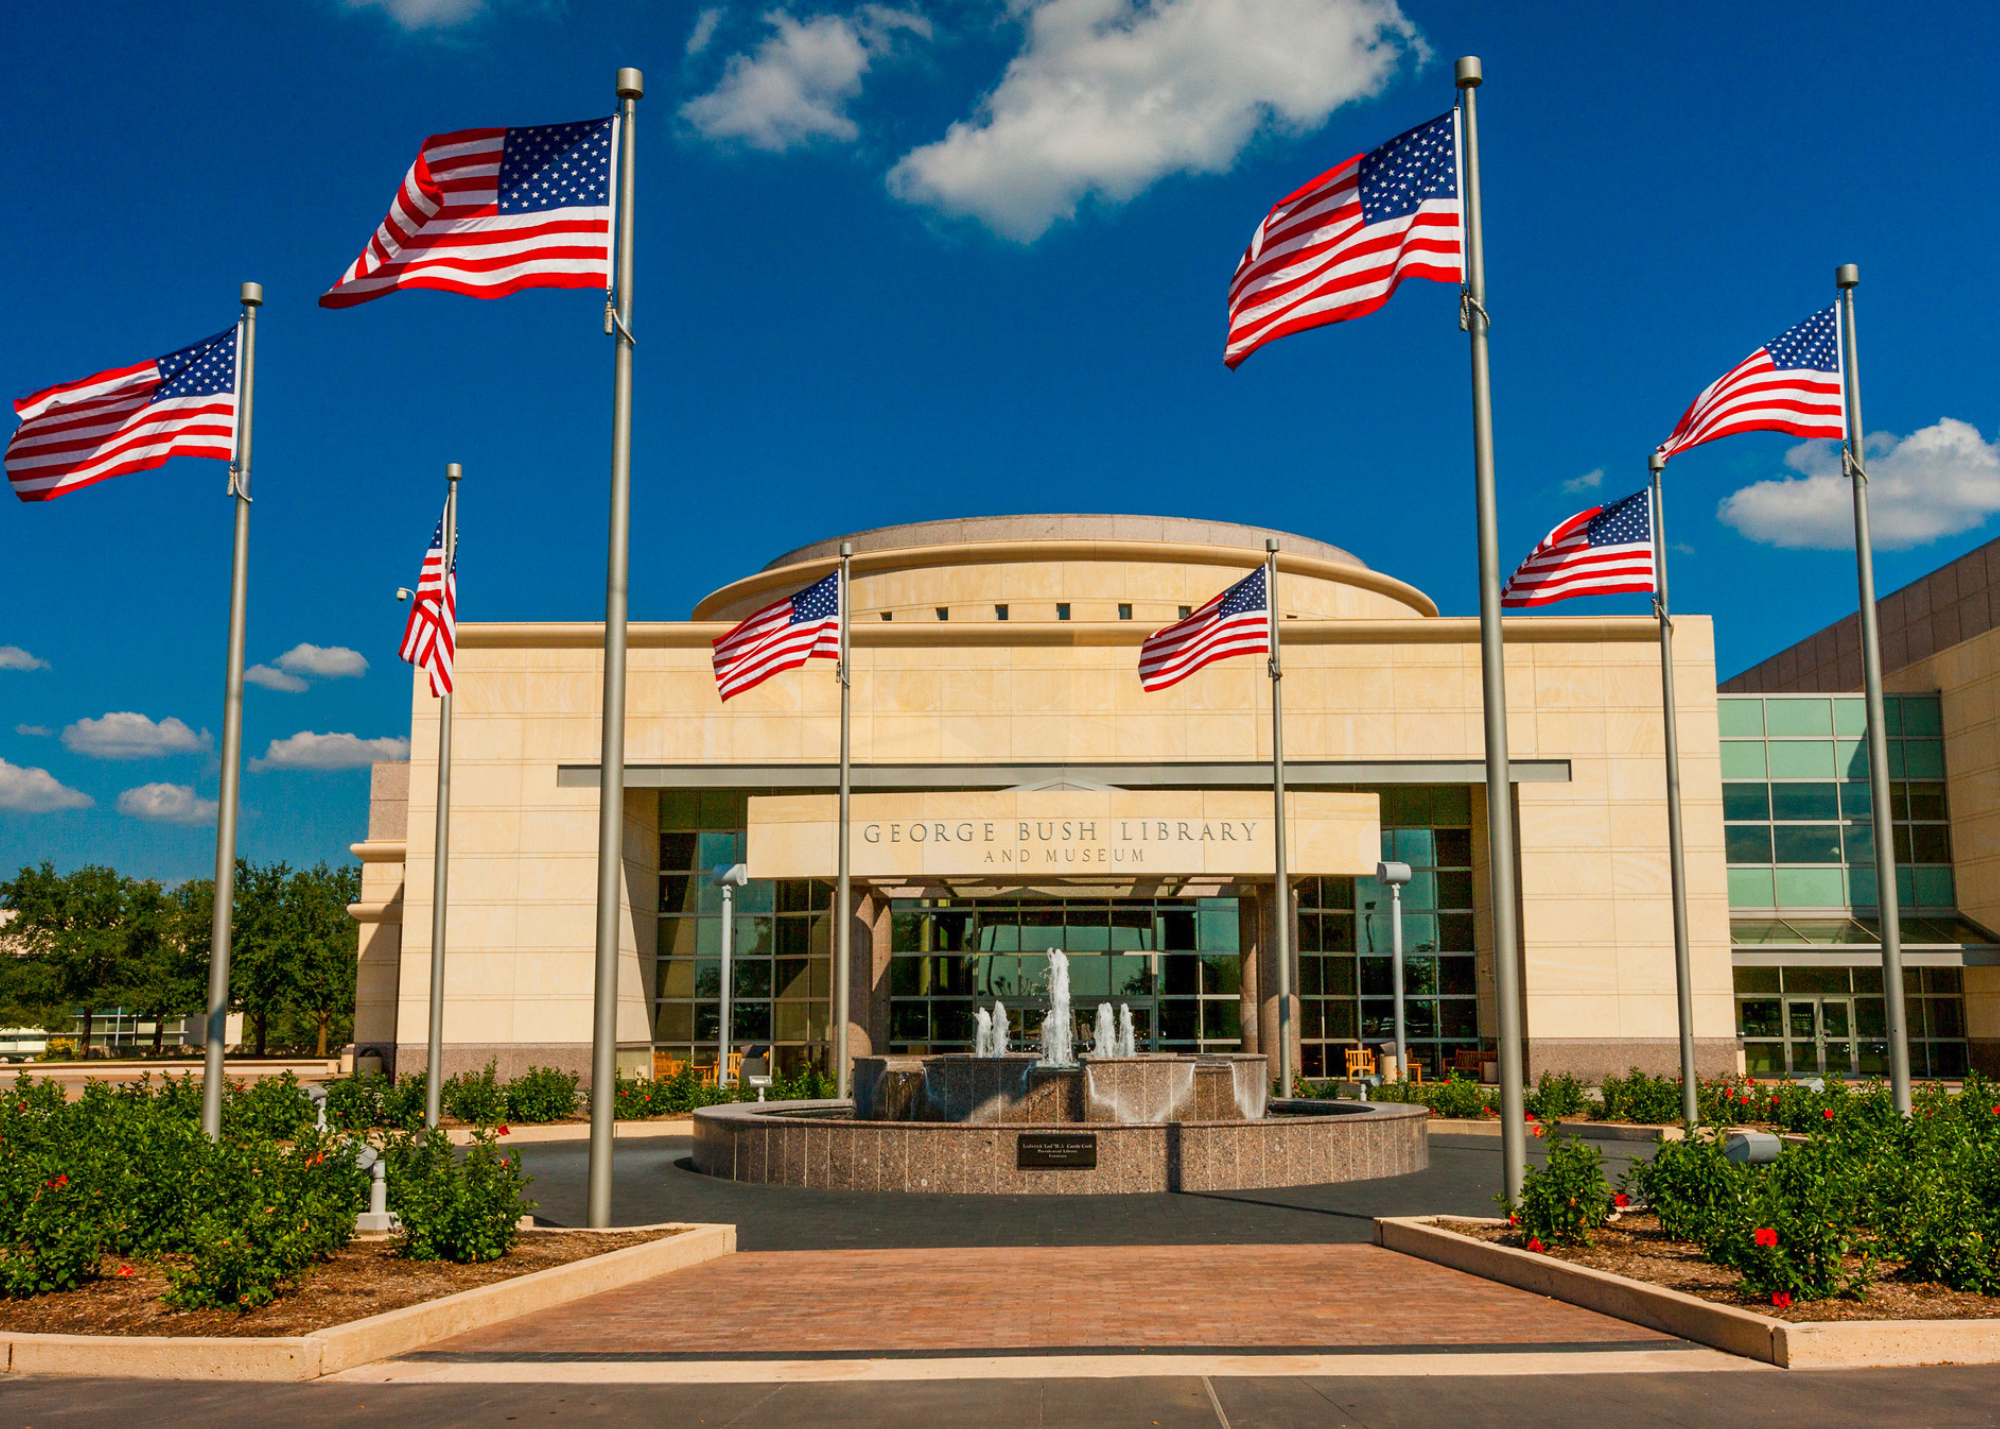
1513, 1220
1782, 1299
1538, 1131
1536, 1246
501, 1129
1827, 1112
1531, 1116
1996, 1110
124, 1270
1621, 1200
1764, 1235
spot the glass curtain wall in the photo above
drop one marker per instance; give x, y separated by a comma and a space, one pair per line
1346, 967
781, 955
1800, 837
1174, 961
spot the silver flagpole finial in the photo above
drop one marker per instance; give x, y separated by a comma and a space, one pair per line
1467, 74
631, 84
252, 295
1847, 275
1656, 462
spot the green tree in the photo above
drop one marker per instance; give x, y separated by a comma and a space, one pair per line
323, 947
260, 974
72, 926
166, 959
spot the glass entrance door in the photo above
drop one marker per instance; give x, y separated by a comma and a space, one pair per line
1819, 1036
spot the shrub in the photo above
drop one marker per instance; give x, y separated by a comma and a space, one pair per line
542, 1094
262, 1214
1642, 1098
1939, 1190
475, 1098
809, 1084
1689, 1184
450, 1209
1792, 1233
1556, 1095
403, 1102
355, 1103
126, 1171
1563, 1202
274, 1107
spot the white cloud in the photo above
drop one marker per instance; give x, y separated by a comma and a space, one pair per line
306, 750
36, 731
1937, 481
704, 29
13, 657
1589, 481
795, 87
167, 804
36, 791
424, 14
1109, 96
125, 735
273, 679
329, 662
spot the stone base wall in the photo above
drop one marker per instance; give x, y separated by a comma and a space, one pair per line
1594, 1060
817, 1145
510, 1059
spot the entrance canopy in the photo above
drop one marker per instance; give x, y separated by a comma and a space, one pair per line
1042, 836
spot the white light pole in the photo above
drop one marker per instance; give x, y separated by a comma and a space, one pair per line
728, 877
1395, 875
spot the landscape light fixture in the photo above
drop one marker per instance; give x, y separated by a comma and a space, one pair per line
1395, 875
728, 877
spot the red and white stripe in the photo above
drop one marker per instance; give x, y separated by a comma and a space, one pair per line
1755, 396
1565, 564
445, 231
77, 433
1313, 261
1171, 654
430, 639
769, 643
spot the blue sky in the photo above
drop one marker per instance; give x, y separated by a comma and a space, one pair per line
941, 258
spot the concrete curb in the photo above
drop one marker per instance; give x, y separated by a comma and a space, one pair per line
528, 1134
340, 1347
1848, 1344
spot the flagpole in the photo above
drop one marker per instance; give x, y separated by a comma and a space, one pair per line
1492, 662
611, 763
1676, 849
843, 973
1281, 939
1845, 278
434, 1064
251, 295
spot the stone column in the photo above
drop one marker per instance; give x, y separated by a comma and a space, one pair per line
1267, 976
868, 1033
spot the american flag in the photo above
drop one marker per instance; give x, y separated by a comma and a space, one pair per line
1790, 384
489, 212
430, 640
1237, 622
782, 636
128, 419
1602, 551
1338, 247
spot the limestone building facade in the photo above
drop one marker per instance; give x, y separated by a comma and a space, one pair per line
997, 706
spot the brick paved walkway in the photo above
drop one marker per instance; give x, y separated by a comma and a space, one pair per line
799, 1304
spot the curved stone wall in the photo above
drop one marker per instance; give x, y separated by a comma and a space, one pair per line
818, 1144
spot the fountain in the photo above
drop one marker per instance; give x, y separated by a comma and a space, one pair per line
1114, 1120
1056, 1030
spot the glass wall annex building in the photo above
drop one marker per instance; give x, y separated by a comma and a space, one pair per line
1016, 790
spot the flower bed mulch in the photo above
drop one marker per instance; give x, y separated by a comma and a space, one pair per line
364, 1279
1635, 1247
